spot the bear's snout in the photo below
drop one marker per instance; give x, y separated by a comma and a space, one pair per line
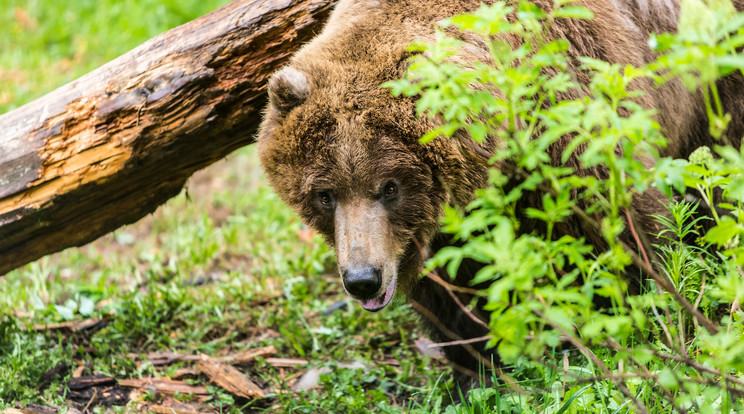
363, 283
366, 251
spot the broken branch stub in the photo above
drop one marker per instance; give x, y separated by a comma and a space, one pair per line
111, 146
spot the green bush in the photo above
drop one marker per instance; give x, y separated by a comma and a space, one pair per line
676, 345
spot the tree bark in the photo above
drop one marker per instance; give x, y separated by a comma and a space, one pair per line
108, 148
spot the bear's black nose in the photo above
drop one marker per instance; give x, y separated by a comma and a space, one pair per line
363, 283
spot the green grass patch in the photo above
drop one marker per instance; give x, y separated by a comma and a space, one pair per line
46, 43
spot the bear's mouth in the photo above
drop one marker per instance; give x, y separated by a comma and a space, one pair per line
376, 304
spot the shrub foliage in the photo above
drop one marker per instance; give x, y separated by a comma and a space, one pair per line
558, 302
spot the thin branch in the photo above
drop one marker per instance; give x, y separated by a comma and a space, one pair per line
619, 383
465, 309
653, 377
449, 333
664, 389
461, 342
511, 382
696, 365
631, 225
678, 358
449, 286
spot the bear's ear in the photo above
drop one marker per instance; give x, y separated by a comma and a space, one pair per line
288, 88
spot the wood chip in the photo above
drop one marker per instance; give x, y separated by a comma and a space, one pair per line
79, 370
164, 385
229, 378
182, 373
286, 362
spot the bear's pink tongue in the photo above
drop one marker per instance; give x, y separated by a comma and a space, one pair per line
373, 305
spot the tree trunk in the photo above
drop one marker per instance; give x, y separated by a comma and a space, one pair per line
108, 148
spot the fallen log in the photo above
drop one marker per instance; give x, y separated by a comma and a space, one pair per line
110, 147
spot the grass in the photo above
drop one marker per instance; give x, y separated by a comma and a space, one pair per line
46, 43
222, 268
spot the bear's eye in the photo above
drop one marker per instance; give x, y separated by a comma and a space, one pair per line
325, 198
390, 190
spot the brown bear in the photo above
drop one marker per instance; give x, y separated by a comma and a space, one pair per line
345, 154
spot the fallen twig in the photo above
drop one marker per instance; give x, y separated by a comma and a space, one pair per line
163, 385
286, 362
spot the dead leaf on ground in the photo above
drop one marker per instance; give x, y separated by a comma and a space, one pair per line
24, 19
6, 98
306, 234
424, 346
229, 378
80, 369
311, 378
14, 76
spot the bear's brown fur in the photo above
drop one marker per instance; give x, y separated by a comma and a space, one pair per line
345, 154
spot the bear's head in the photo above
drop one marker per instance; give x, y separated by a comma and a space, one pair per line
345, 154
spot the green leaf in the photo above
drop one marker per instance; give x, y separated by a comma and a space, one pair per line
574, 12
721, 234
731, 61
87, 306
65, 312
668, 379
